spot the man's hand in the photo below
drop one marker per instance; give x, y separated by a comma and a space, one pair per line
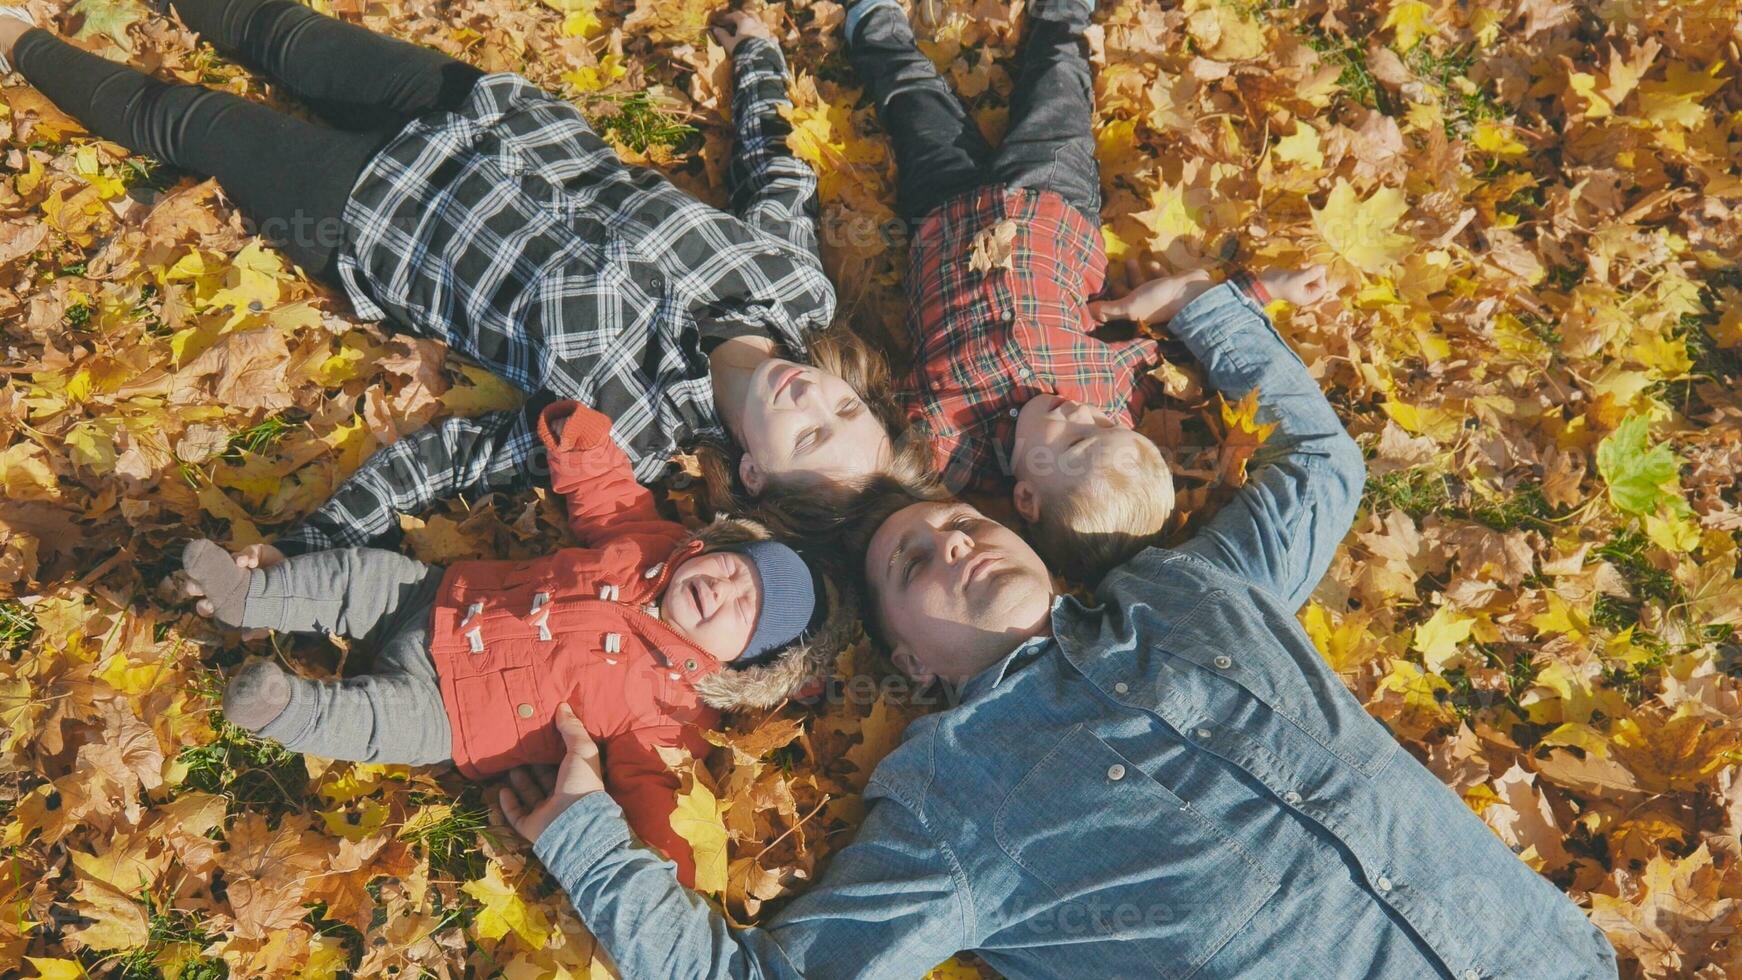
1154, 301
536, 795
1302, 287
253, 556
731, 29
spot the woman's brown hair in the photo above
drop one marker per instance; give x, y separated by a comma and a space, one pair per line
812, 510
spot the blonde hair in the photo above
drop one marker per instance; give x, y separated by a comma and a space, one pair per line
1109, 515
809, 508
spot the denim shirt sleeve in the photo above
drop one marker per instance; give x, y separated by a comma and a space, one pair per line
1280, 531
889, 905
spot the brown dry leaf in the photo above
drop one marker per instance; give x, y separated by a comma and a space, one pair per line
992, 248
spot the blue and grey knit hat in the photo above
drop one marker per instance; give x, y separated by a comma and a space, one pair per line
790, 598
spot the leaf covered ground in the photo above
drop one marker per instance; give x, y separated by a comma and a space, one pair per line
1530, 207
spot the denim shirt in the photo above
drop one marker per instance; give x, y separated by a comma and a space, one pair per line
1173, 783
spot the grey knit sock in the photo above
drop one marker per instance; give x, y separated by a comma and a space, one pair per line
256, 695
215, 572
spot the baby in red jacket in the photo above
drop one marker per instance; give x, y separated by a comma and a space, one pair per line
648, 630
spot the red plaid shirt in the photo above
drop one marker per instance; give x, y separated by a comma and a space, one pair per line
985, 343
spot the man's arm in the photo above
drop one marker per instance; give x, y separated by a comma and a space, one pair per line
1282, 528
772, 190
495, 451
891, 904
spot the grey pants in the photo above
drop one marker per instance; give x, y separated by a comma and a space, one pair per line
383, 599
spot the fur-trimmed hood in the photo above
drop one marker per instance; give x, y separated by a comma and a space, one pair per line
803, 664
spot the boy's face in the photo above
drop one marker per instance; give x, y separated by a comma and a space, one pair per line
1059, 443
714, 599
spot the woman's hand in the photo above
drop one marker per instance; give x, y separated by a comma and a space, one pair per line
253, 556
1154, 301
731, 29
1301, 287
536, 795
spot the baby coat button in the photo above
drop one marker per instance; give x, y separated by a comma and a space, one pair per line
525, 710
689, 664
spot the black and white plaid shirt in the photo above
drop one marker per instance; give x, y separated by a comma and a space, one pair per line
512, 232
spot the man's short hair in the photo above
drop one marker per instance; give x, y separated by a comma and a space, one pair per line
870, 510
1112, 513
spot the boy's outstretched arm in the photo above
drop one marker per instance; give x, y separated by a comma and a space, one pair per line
491, 452
771, 189
1305, 483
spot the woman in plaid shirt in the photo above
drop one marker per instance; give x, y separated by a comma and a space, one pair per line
479, 210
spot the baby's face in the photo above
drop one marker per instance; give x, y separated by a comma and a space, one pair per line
713, 599
1060, 442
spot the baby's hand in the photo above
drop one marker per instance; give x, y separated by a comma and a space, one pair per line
1301, 287
1154, 301
731, 29
254, 556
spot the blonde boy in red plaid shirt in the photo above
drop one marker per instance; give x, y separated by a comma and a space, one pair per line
1008, 382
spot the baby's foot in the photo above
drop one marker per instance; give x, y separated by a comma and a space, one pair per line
215, 573
256, 695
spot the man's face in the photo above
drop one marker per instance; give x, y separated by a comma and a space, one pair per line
803, 423
956, 590
714, 600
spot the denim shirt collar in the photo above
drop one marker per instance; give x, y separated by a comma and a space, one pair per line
1065, 610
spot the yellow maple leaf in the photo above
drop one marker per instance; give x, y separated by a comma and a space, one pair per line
1347, 644
115, 920
1438, 639
698, 820
1169, 217
1412, 20
1300, 146
1364, 232
56, 969
1243, 435
504, 911
25, 473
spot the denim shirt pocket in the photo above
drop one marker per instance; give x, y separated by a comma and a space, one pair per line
1226, 635
1126, 861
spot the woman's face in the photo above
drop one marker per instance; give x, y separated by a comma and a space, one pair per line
803, 424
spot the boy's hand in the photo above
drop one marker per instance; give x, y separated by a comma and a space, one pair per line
731, 29
536, 795
1154, 301
1301, 287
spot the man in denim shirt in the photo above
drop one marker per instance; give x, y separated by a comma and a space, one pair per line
1169, 781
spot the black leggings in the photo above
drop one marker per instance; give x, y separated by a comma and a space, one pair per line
290, 178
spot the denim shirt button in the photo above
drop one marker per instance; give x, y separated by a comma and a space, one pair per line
1470, 975
1122, 688
1224, 662
1383, 884
1115, 772
1203, 733
1291, 798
